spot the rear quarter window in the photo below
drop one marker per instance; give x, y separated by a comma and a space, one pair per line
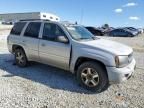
18, 27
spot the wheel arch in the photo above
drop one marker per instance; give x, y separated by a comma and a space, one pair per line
81, 60
15, 47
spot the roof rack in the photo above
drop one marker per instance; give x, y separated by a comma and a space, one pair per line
34, 20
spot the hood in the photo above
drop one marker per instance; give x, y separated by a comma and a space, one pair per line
134, 32
108, 46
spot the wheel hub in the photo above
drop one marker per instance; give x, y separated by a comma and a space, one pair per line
90, 77
19, 57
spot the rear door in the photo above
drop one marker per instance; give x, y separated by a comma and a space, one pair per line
116, 32
30, 40
15, 34
123, 33
51, 51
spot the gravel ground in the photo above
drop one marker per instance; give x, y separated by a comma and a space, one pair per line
136, 42
41, 86
5, 27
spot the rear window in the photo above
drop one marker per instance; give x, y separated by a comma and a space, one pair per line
33, 30
18, 27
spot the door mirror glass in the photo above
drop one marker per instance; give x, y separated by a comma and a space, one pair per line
62, 39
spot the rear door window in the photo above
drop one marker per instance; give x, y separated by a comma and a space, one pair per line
32, 30
18, 27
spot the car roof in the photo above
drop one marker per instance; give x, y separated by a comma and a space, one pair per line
88, 27
65, 23
36, 20
119, 29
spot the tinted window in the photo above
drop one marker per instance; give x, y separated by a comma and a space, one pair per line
52, 31
33, 30
18, 27
89, 28
116, 31
44, 16
120, 32
51, 17
124, 33
93, 30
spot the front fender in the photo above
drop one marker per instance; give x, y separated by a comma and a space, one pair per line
106, 58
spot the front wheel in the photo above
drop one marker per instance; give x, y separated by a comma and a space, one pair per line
20, 58
92, 76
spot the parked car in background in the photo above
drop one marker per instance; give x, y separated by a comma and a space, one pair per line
141, 30
120, 32
95, 31
106, 30
133, 30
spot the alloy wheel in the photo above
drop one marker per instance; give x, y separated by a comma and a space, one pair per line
90, 77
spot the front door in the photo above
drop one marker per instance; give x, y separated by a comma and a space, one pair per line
51, 51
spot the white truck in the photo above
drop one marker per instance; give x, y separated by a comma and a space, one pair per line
11, 18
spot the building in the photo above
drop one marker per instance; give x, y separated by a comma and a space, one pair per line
11, 18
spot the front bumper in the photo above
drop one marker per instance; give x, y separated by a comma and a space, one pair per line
118, 75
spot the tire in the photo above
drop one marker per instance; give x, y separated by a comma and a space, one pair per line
113, 35
20, 58
110, 34
99, 34
131, 36
95, 83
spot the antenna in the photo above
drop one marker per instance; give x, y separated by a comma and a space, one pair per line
82, 15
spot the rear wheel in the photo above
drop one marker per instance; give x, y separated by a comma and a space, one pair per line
130, 35
20, 58
92, 76
111, 34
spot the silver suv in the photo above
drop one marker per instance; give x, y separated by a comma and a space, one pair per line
95, 62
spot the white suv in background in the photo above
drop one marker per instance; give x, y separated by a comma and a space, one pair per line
96, 62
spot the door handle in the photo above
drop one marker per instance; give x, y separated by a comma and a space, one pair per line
43, 45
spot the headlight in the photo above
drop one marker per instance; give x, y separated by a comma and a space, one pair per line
121, 61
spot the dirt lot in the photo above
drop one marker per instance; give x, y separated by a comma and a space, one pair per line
41, 86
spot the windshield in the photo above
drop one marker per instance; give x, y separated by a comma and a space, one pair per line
131, 29
79, 33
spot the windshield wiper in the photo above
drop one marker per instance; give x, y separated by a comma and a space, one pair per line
84, 38
95, 38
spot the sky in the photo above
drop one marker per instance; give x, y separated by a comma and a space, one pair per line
116, 13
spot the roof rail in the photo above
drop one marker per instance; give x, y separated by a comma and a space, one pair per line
34, 20
67, 23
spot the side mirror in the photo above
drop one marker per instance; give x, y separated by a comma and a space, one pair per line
62, 39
